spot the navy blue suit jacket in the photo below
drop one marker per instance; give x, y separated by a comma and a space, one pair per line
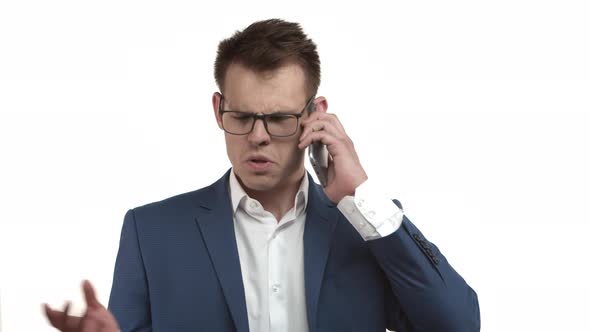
178, 270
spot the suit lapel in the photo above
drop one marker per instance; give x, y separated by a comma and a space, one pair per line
215, 220
321, 219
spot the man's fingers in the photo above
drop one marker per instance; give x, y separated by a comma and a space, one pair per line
90, 295
62, 321
54, 316
64, 316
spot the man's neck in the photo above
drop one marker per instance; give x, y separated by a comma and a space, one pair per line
279, 200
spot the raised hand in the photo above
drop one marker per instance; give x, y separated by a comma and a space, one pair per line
97, 318
345, 172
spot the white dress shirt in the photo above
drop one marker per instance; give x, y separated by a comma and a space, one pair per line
271, 251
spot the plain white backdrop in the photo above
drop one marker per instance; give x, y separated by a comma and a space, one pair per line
473, 113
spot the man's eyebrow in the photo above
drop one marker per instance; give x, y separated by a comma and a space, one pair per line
273, 110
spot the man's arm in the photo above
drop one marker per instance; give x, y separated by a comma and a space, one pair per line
427, 294
129, 300
431, 294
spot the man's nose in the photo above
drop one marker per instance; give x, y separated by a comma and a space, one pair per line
259, 135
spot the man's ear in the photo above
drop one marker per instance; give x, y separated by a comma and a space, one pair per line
216, 100
320, 104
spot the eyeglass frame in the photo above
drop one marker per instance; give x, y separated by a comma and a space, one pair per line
262, 116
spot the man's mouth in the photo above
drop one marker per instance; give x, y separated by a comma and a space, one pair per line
258, 164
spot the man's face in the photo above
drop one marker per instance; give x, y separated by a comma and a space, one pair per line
282, 90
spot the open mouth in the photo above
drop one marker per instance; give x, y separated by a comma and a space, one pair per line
259, 164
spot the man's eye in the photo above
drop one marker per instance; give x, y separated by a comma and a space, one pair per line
279, 118
242, 117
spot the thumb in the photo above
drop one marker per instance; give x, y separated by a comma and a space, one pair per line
90, 295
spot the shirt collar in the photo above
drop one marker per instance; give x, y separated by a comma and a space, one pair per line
239, 196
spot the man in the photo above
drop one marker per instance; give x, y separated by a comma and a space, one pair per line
265, 248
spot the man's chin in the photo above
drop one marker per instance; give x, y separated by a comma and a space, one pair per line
258, 181
260, 186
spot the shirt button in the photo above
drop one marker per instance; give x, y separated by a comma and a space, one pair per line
371, 214
275, 288
362, 224
253, 205
360, 202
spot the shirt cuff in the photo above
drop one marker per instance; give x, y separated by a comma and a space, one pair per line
370, 212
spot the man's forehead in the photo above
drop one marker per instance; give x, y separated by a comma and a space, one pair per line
281, 89
264, 103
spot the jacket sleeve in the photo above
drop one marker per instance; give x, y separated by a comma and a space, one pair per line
427, 293
129, 301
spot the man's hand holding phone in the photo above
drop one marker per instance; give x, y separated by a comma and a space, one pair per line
345, 172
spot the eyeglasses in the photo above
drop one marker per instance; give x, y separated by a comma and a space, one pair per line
277, 124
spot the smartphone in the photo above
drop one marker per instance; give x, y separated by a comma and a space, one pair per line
318, 156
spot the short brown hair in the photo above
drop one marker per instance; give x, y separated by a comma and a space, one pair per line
266, 46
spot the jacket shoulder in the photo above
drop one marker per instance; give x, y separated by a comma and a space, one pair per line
175, 206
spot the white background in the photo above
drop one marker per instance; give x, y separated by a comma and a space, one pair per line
474, 114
